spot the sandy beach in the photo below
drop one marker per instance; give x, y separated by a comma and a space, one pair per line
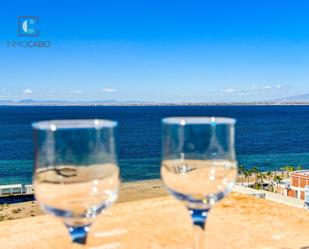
130, 191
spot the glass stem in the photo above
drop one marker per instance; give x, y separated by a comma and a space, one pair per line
199, 217
79, 233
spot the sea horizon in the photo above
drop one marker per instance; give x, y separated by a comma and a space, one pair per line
31, 102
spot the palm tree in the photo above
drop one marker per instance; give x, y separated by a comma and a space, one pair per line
278, 179
288, 169
269, 175
274, 176
291, 169
241, 171
282, 171
255, 171
248, 174
261, 178
300, 167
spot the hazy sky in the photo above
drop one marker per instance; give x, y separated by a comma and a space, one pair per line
157, 50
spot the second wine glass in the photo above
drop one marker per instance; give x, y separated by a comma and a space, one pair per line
198, 164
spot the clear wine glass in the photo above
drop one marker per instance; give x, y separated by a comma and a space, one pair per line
76, 174
198, 164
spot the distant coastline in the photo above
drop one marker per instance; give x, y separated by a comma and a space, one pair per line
140, 103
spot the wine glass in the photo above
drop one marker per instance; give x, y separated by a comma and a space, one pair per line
76, 174
198, 164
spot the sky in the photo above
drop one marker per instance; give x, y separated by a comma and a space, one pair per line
164, 51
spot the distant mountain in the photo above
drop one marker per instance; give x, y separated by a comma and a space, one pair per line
40, 101
295, 99
26, 101
109, 102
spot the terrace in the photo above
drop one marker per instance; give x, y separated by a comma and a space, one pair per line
146, 217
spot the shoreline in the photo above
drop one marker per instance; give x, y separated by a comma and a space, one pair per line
129, 192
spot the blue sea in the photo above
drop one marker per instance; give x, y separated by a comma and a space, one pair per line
267, 137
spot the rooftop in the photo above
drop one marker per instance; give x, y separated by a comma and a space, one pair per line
304, 173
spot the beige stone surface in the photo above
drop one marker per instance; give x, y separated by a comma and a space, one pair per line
239, 221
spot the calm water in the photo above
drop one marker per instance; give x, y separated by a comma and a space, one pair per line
267, 137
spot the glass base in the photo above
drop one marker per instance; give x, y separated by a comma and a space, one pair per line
78, 226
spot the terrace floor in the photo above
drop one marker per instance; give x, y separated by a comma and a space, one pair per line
239, 221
